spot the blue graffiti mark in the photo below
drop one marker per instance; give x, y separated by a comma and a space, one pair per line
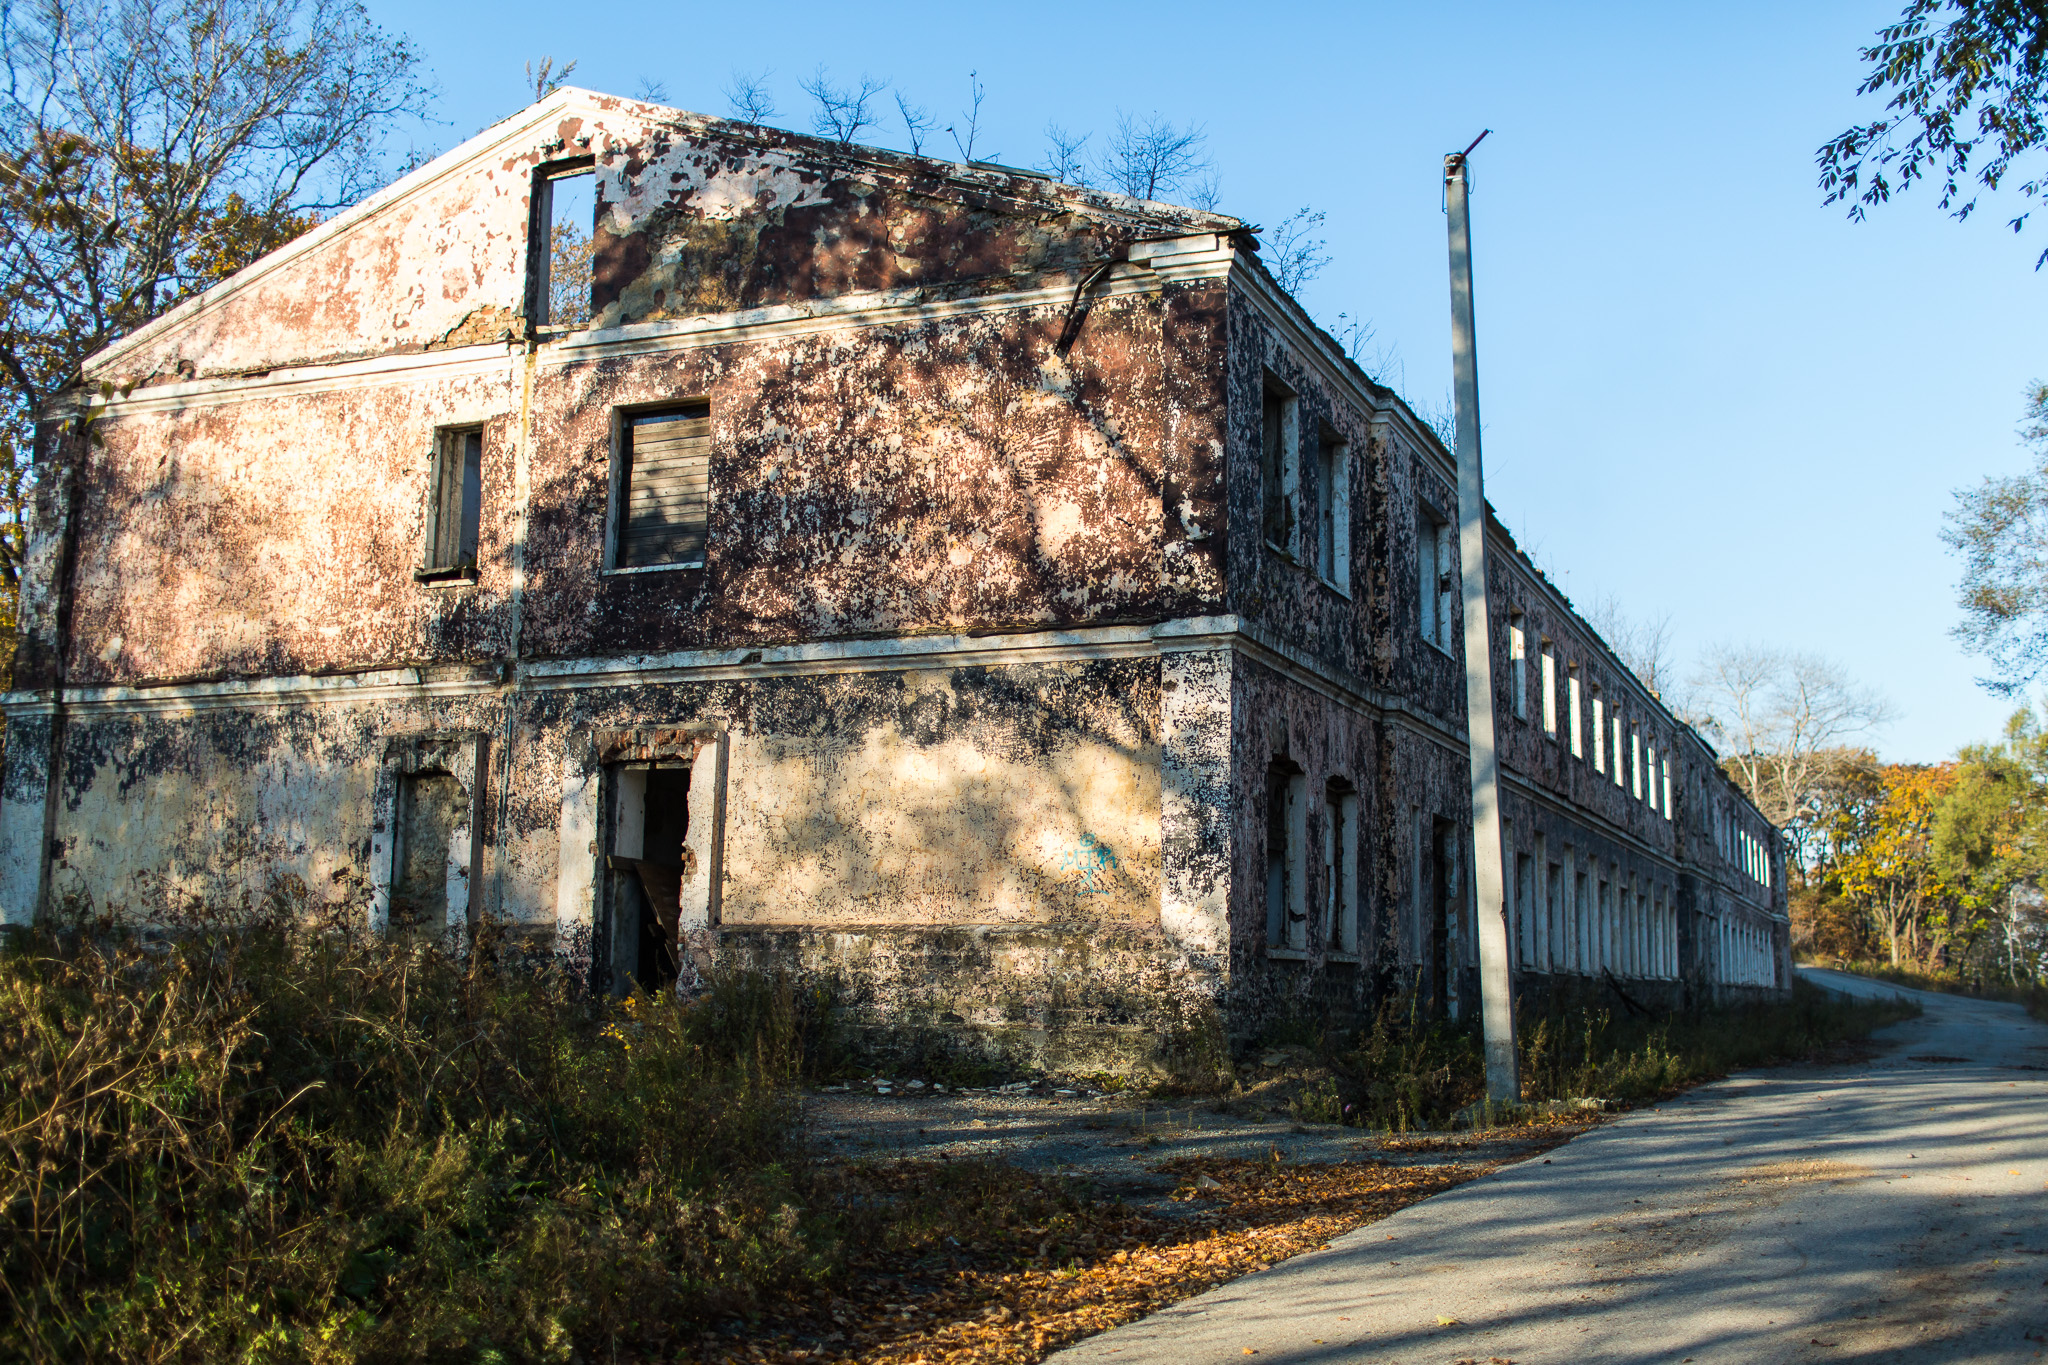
1092, 861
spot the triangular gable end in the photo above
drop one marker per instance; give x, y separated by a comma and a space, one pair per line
699, 215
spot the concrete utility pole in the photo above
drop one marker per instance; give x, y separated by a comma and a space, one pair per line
1489, 881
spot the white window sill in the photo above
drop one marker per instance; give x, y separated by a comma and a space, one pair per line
651, 568
445, 578
1278, 954
1435, 646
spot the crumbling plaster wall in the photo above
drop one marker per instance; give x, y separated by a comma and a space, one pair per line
973, 848
696, 215
276, 533
172, 813
950, 475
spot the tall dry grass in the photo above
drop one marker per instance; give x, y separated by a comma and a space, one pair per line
274, 1145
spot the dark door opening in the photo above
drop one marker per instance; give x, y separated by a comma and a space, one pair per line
651, 819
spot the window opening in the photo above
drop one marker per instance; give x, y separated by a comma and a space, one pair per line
1286, 918
1549, 691
1333, 542
1518, 665
455, 496
1599, 733
1620, 759
651, 819
1340, 870
430, 807
1433, 561
565, 223
665, 494
1572, 688
1278, 465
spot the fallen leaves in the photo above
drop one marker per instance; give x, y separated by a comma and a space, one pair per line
1013, 1295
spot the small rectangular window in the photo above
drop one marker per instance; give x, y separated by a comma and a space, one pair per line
1333, 493
1286, 916
1620, 756
1433, 586
455, 496
1599, 733
1518, 666
1667, 786
664, 487
1549, 663
1572, 688
1279, 465
561, 245
1340, 870
1635, 763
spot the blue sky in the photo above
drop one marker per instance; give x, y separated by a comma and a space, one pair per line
1704, 393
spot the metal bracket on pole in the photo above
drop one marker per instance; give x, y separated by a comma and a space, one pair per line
1489, 881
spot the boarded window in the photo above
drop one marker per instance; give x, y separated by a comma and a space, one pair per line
666, 487
455, 501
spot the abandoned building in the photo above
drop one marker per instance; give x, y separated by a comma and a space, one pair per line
689, 544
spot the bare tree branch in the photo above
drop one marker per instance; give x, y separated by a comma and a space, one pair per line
1150, 156
844, 111
970, 119
1782, 721
1063, 160
917, 122
747, 97
1294, 254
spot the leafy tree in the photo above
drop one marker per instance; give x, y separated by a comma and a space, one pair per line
1967, 81
1990, 837
1887, 868
151, 148
2000, 528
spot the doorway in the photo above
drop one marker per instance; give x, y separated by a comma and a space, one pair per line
648, 861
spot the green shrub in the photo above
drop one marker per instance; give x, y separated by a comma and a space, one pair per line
285, 1146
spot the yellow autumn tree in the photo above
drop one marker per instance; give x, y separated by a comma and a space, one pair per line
1889, 869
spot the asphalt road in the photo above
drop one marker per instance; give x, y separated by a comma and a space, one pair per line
1888, 1210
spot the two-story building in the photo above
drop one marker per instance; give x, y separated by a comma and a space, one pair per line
992, 594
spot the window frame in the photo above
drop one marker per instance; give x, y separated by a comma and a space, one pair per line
540, 224
1333, 508
1281, 465
1433, 575
1341, 846
450, 460
620, 492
